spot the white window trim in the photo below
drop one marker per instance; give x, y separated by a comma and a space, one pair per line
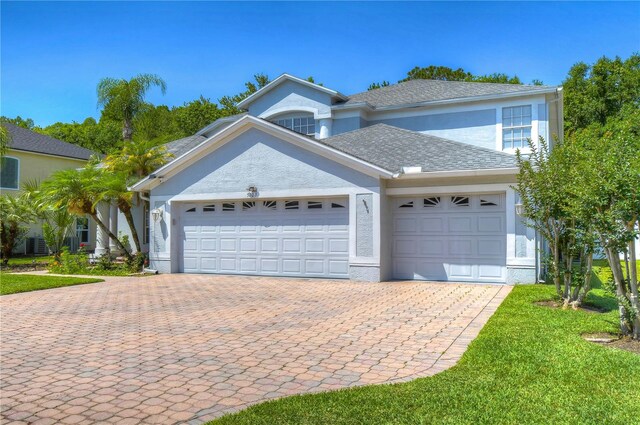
534, 126
86, 230
18, 177
281, 122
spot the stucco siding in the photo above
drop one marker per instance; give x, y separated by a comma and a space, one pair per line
343, 125
290, 96
477, 128
259, 159
364, 225
138, 218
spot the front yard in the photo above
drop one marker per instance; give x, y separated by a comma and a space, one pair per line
11, 283
528, 365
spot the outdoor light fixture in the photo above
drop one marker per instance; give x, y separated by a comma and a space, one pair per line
519, 209
252, 192
156, 214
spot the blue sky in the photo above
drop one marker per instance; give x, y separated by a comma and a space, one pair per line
53, 53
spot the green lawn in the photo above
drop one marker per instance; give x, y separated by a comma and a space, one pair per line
11, 283
42, 259
529, 365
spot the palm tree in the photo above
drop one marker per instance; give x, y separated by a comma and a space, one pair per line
123, 99
5, 138
78, 190
134, 161
138, 159
15, 213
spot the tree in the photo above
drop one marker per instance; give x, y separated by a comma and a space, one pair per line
20, 122
5, 138
229, 103
123, 100
15, 213
156, 124
374, 86
607, 175
594, 93
80, 191
552, 206
57, 222
195, 115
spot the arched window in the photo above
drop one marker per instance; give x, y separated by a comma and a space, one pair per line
10, 173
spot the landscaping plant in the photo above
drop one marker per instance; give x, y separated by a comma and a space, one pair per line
15, 214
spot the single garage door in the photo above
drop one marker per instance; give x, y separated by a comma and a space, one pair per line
306, 238
450, 237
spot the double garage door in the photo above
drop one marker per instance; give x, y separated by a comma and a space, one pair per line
450, 237
303, 238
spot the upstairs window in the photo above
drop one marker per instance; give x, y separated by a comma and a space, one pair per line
303, 125
9, 170
516, 127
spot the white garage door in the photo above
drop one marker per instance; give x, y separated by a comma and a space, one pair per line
308, 238
450, 237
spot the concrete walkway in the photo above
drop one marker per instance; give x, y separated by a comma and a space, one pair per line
188, 348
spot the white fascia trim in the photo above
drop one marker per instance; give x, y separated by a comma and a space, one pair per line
438, 190
283, 78
272, 194
459, 173
273, 112
228, 133
450, 101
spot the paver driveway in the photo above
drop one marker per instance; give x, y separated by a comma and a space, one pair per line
187, 348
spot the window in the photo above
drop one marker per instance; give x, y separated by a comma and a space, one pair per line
228, 206
489, 201
407, 205
9, 173
303, 125
291, 205
336, 205
145, 224
191, 209
270, 205
314, 205
82, 229
460, 201
209, 208
516, 127
246, 206
431, 202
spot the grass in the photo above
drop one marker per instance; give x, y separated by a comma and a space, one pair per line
11, 283
529, 365
41, 259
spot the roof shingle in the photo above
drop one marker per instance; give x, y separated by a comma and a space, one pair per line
27, 140
392, 148
417, 91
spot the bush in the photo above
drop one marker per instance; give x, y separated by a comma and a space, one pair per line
71, 263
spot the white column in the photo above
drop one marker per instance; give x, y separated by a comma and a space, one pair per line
102, 237
325, 128
113, 226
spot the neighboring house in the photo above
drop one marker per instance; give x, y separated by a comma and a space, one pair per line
409, 181
34, 157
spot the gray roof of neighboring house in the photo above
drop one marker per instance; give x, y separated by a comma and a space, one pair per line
220, 121
23, 139
392, 148
184, 145
417, 91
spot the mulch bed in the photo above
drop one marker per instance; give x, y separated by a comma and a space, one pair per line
614, 341
584, 307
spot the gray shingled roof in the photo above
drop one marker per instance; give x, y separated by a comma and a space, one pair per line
23, 139
182, 146
392, 148
416, 91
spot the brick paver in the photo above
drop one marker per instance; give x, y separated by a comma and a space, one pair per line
188, 348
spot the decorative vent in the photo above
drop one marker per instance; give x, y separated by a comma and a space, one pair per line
314, 205
209, 208
406, 205
431, 202
246, 206
191, 209
228, 206
291, 205
270, 205
460, 201
336, 205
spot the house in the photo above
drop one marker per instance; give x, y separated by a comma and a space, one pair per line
409, 181
33, 157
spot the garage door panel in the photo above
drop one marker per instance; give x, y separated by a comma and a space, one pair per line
461, 238
266, 238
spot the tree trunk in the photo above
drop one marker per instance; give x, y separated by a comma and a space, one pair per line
115, 239
586, 287
618, 278
633, 286
556, 262
134, 233
127, 130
